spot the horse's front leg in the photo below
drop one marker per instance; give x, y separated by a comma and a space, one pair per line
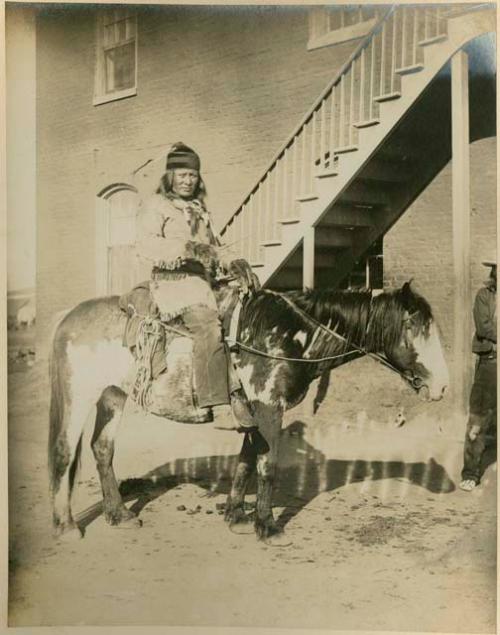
253, 444
109, 414
270, 419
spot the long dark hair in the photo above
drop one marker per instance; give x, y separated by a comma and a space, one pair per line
165, 186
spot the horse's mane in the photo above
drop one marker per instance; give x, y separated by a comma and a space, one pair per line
373, 322
268, 310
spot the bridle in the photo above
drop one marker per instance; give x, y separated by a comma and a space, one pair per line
410, 377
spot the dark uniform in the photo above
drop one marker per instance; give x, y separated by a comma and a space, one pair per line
483, 397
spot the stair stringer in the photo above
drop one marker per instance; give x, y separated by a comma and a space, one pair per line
461, 30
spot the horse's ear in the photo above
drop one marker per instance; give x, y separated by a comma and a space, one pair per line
407, 293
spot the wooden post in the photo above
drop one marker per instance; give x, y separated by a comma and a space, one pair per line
461, 231
308, 259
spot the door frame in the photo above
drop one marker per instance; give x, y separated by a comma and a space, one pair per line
102, 233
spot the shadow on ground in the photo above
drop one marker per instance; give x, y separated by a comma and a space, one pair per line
304, 472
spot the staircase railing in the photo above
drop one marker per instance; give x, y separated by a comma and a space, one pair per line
372, 74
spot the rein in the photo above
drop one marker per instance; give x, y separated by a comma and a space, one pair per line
414, 381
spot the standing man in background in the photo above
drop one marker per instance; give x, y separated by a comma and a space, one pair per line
483, 397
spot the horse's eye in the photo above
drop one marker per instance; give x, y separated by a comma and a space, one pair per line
417, 382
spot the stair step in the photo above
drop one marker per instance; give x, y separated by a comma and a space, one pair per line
326, 174
346, 216
387, 97
367, 123
408, 70
334, 237
271, 243
433, 40
345, 149
368, 193
307, 197
289, 221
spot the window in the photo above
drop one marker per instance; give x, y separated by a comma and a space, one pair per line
336, 24
116, 63
368, 272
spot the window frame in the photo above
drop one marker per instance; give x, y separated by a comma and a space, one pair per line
100, 96
321, 34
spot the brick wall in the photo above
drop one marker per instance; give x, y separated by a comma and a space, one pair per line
233, 82
425, 231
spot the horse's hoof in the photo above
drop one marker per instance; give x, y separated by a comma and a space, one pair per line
278, 540
265, 529
68, 533
235, 516
239, 522
124, 519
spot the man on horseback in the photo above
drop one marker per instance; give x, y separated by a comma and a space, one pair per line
175, 235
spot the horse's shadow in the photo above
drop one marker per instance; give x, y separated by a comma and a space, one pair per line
304, 472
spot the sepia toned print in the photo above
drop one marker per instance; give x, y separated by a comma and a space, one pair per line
243, 385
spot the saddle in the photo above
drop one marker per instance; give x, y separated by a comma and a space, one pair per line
162, 382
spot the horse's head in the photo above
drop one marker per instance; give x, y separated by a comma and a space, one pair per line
417, 352
232, 280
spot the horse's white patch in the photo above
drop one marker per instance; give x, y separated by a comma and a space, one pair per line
245, 374
308, 350
301, 337
431, 356
93, 368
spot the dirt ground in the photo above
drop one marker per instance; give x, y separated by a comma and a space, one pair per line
377, 535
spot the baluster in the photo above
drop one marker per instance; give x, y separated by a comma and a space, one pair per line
261, 218
415, 35
284, 202
230, 236
440, 22
312, 162
254, 211
323, 136
249, 237
403, 37
362, 86
382, 59
296, 173
268, 211
342, 113
275, 213
372, 78
394, 49
243, 231
252, 228
241, 241
303, 161
352, 71
332, 127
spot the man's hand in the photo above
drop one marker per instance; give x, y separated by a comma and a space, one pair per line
206, 254
246, 278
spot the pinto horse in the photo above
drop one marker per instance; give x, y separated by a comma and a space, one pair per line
285, 342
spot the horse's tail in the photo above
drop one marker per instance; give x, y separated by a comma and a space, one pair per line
59, 453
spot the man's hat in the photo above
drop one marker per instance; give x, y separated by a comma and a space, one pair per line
180, 156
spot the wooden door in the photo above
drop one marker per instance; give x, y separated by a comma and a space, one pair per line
122, 270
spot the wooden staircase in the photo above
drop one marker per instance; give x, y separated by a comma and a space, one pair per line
373, 140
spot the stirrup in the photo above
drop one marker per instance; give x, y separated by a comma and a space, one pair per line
242, 410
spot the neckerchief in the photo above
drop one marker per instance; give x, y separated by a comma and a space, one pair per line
194, 211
